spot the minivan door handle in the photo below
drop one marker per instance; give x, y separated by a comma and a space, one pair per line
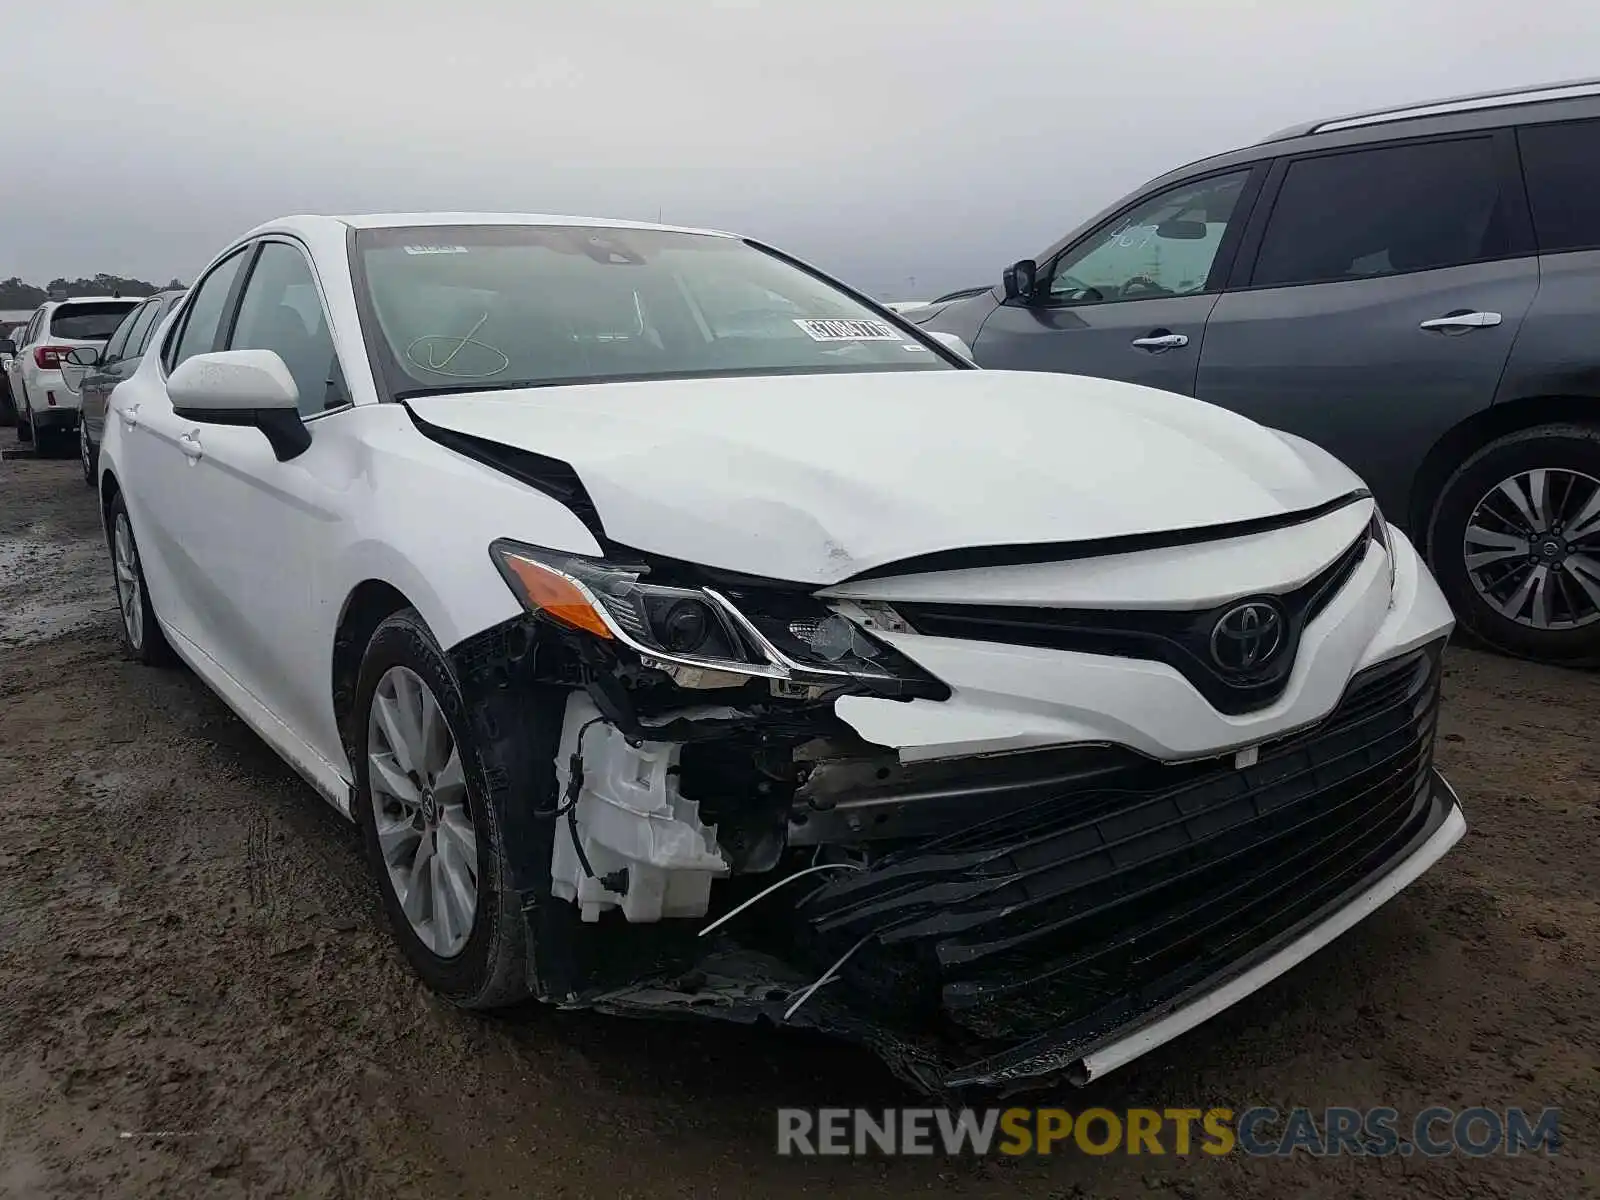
1157, 341
1463, 321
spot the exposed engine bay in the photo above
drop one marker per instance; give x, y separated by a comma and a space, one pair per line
716, 841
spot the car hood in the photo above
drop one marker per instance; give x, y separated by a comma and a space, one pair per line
816, 478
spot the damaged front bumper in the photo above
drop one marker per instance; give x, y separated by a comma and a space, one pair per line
1102, 903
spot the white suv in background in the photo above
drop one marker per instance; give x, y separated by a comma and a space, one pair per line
46, 408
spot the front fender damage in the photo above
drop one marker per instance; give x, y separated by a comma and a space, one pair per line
731, 849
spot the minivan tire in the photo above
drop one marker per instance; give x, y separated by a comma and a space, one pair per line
1572, 450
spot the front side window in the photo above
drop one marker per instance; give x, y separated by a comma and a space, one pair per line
139, 334
281, 311
501, 306
89, 320
200, 323
1562, 166
1385, 211
117, 346
1165, 246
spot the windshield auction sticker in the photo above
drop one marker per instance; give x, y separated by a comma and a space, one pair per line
839, 329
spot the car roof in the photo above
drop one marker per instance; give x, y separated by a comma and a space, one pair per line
311, 224
92, 300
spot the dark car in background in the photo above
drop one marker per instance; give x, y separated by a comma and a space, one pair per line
92, 373
1417, 290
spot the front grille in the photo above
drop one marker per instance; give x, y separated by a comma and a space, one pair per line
1181, 639
1078, 914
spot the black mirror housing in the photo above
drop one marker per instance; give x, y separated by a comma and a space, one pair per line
1021, 279
83, 356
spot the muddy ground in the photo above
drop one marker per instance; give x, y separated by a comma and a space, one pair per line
190, 947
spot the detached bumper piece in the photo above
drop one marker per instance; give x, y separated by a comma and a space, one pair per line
1064, 936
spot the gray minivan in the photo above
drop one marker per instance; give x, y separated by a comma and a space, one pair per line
1418, 290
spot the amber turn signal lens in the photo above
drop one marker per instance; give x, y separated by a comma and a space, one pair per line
555, 595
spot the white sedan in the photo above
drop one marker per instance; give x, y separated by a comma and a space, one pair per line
689, 634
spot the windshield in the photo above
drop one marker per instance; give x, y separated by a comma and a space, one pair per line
89, 322
461, 308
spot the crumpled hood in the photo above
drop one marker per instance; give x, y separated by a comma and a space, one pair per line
815, 478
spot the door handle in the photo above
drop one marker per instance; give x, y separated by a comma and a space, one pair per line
130, 415
189, 443
1157, 342
1463, 321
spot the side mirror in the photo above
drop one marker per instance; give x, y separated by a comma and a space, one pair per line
1179, 230
1020, 280
7, 346
242, 387
75, 364
951, 342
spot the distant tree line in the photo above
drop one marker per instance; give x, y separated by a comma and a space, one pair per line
19, 294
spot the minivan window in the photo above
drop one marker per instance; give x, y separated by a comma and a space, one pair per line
1561, 164
1164, 246
1385, 211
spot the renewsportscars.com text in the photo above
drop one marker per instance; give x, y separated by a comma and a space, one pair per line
1258, 1132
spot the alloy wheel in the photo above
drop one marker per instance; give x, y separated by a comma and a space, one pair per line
420, 811
130, 597
1532, 549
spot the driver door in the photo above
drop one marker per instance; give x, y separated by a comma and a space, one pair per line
1129, 301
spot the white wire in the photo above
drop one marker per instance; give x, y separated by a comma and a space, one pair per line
764, 892
827, 976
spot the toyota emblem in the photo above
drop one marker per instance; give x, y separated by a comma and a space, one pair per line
1247, 637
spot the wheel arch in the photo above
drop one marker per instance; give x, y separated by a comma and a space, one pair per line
1472, 434
368, 605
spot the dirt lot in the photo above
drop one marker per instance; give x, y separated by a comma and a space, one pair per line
190, 947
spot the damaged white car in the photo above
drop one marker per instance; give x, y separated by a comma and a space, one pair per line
689, 635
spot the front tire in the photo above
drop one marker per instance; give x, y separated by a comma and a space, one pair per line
1515, 543
142, 639
433, 841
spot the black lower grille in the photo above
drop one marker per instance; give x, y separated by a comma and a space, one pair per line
1180, 639
1078, 914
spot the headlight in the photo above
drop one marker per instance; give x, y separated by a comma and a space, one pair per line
1379, 531
773, 636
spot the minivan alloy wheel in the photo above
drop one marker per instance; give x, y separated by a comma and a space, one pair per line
420, 811
1532, 548
125, 561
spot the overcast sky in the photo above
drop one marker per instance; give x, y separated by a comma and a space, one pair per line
912, 146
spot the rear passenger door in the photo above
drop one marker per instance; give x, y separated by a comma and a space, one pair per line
1558, 353
1376, 304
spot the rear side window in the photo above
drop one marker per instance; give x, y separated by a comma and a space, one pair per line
1385, 211
204, 315
90, 321
1562, 166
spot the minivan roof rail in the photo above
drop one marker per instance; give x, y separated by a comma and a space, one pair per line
1569, 90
